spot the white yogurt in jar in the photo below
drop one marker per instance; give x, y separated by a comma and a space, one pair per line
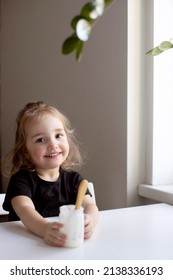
73, 221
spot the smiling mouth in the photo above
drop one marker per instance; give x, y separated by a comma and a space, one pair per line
53, 155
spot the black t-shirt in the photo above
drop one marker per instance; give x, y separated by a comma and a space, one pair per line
46, 196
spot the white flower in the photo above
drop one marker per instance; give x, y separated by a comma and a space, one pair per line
83, 29
99, 9
100, 5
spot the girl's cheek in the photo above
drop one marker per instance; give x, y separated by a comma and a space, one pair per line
38, 152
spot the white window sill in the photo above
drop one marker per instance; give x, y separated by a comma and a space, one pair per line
162, 193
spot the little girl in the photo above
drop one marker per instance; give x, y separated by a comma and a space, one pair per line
42, 179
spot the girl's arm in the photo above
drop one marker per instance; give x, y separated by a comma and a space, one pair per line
91, 216
49, 231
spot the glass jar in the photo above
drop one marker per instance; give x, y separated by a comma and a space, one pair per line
73, 221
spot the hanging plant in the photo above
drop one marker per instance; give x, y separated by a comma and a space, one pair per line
82, 25
164, 46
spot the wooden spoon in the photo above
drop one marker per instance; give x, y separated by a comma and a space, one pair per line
81, 193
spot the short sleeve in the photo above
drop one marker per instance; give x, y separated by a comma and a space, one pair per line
19, 184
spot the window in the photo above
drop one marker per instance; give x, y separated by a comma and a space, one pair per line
163, 96
150, 100
159, 179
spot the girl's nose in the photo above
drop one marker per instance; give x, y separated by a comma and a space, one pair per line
52, 145
50, 148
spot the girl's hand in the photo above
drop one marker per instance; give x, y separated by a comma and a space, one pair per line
88, 226
53, 236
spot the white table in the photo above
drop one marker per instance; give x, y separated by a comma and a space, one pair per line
136, 233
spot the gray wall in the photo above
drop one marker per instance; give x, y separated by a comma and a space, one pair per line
92, 93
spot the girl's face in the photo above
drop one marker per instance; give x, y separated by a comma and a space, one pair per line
46, 143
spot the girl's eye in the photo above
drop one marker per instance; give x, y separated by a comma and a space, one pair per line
59, 135
40, 140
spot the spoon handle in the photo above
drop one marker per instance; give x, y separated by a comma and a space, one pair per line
81, 193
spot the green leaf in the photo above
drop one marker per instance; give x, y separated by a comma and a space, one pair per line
165, 45
70, 44
107, 2
155, 51
79, 50
87, 9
